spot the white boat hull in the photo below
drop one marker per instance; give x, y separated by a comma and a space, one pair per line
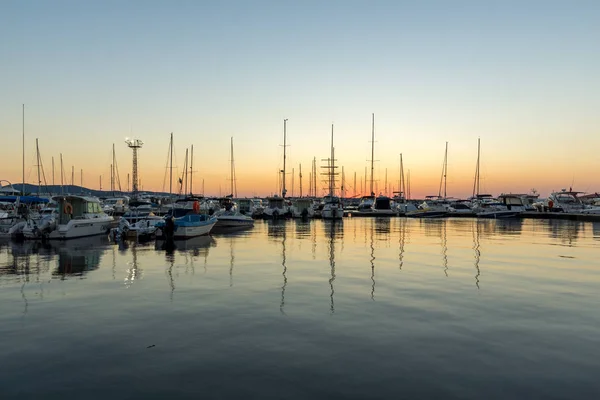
183, 232
77, 228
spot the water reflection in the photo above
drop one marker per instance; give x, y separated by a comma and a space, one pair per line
190, 250
508, 226
332, 230
77, 261
476, 249
401, 242
444, 240
372, 260
282, 233
303, 228
566, 231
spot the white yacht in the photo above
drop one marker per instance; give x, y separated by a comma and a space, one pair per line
79, 216
332, 208
302, 208
508, 206
229, 217
565, 201
277, 208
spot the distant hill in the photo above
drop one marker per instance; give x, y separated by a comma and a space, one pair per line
75, 189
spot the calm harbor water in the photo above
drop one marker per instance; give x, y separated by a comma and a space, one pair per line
367, 308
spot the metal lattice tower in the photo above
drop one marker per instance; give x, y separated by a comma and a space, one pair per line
134, 144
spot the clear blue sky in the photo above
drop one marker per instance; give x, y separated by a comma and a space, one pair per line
522, 75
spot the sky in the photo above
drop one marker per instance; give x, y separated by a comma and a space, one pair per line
520, 75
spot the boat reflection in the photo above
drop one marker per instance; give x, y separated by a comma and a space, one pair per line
566, 231
275, 228
372, 258
401, 241
303, 228
282, 233
476, 250
332, 230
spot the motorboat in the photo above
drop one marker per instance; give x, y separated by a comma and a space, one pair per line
39, 227
18, 210
432, 207
508, 206
188, 226
229, 217
332, 208
277, 208
79, 216
302, 208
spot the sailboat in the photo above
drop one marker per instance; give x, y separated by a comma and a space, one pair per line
435, 206
189, 225
228, 216
277, 207
381, 205
332, 205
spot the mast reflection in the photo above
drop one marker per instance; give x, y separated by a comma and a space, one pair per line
444, 239
284, 272
231, 262
372, 260
401, 242
477, 252
333, 229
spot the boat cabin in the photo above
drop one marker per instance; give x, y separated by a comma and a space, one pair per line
77, 207
383, 203
276, 202
366, 203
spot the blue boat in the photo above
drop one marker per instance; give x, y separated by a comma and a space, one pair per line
188, 226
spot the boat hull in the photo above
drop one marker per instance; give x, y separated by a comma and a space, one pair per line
81, 228
498, 214
427, 214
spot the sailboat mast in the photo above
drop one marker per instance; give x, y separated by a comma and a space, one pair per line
408, 185
342, 186
23, 184
402, 188
365, 179
372, 152
476, 181
231, 172
171, 165
81, 180
354, 183
191, 169
185, 173
37, 152
62, 189
332, 168
300, 176
112, 171
446, 172
386, 183
283, 189
53, 173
